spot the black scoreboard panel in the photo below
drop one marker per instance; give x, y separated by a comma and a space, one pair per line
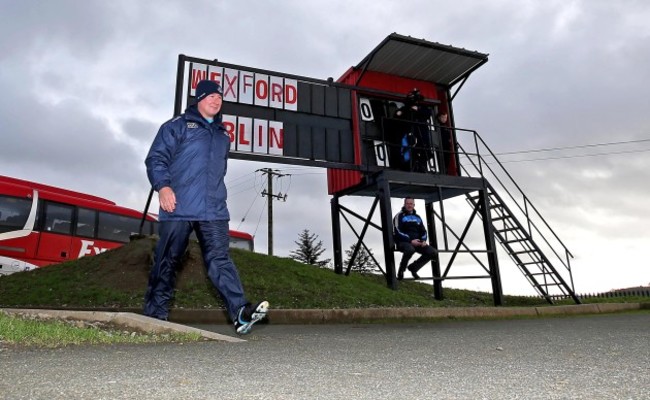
277, 117
324, 100
321, 128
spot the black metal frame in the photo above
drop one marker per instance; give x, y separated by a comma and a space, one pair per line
504, 218
432, 188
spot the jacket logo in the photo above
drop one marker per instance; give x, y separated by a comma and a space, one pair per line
192, 125
411, 218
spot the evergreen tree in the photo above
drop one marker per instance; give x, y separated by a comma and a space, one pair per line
363, 262
309, 251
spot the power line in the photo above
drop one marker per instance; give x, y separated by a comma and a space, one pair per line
246, 189
241, 177
260, 217
289, 187
256, 186
247, 211
571, 147
575, 156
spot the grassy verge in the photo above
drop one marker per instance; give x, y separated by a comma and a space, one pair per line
117, 279
15, 330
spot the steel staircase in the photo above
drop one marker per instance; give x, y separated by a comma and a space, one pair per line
523, 250
516, 223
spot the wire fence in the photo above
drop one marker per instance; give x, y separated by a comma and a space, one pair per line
635, 292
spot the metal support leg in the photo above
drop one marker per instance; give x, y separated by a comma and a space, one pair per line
495, 275
385, 208
146, 210
433, 241
336, 234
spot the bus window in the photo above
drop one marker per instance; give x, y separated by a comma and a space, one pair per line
117, 228
58, 218
13, 213
86, 222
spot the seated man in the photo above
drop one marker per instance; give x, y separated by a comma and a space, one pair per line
411, 237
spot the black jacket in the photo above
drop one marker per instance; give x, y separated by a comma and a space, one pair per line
408, 226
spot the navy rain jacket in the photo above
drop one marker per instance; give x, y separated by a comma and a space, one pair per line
408, 227
190, 155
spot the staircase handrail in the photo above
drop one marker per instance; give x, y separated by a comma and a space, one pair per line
526, 200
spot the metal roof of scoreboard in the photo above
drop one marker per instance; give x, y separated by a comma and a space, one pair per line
423, 60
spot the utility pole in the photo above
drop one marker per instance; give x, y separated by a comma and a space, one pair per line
269, 192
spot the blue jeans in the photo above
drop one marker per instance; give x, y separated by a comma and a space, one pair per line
214, 241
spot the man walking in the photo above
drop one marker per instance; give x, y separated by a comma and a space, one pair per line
187, 165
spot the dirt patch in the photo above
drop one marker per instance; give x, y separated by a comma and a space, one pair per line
128, 267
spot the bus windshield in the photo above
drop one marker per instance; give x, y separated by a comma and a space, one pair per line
13, 213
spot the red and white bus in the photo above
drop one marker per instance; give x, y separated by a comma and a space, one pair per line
42, 225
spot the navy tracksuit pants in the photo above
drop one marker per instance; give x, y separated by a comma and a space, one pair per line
408, 250
214, 241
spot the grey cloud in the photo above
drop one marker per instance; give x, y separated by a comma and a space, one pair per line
81, 27
140, 130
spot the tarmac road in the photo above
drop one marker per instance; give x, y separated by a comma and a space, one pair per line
577, 357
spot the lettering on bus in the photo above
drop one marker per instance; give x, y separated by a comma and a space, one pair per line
88, 248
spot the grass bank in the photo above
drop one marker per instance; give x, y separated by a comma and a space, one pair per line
117, 280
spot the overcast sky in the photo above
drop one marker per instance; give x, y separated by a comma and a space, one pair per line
85, 85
